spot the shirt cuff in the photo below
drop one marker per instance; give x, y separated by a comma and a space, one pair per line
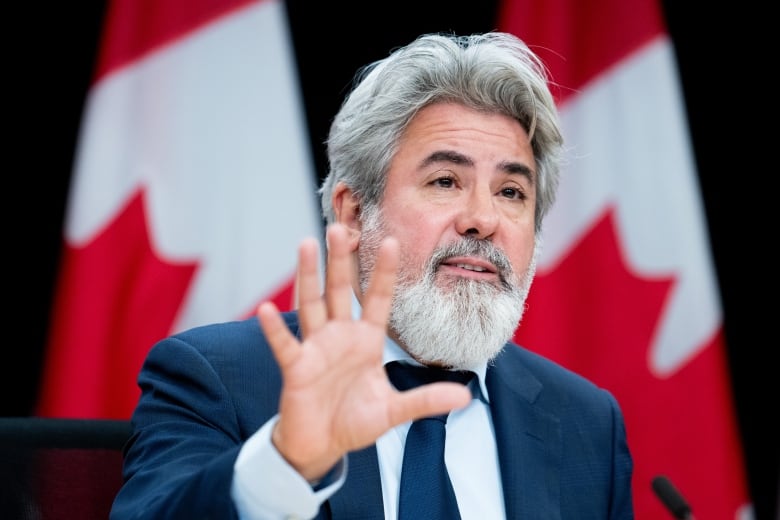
265, 486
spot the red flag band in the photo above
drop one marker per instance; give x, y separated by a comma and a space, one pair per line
626, 293
192, 150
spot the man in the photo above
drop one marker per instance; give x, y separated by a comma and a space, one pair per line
444, 160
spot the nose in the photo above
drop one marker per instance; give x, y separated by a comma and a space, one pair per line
478, 217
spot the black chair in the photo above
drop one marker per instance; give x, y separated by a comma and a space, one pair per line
67, 469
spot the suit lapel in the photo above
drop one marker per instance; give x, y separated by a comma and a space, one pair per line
528, 438
361, 496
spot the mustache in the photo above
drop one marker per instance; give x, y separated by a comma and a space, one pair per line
476, 247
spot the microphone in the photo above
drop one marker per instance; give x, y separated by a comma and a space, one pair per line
671, 498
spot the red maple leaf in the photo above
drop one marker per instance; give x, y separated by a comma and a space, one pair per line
594, 315
115, 298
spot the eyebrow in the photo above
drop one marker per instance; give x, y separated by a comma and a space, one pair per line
453, 157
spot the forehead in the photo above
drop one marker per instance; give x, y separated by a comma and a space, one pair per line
453, 133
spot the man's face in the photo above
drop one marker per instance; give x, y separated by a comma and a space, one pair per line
459, 173
460, 200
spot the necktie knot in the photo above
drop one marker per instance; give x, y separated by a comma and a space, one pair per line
405, 376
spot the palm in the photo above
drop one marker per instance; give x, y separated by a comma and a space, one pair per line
336, 396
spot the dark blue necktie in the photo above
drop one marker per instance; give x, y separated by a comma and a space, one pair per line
426, 490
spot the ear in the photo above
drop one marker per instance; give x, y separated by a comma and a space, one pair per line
346, 206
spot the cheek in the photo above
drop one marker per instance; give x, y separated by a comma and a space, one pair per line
416, 246
524, 260
520, 251
418, 234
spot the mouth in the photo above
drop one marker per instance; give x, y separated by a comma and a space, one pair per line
473, 268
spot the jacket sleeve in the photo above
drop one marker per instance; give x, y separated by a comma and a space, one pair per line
179, 460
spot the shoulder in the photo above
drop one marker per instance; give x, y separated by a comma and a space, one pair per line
233, 331
542, 379
235, 338
218, 362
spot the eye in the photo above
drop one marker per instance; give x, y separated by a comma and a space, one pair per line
513, 193
446, 179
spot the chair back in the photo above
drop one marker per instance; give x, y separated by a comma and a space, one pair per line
53, 469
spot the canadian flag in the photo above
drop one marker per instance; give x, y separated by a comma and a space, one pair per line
193, 185
626, 292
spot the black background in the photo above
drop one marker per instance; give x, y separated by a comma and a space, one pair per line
49, 66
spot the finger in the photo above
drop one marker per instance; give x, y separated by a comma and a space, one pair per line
308, 290
284, 344
339, 272
427, 400
379, 295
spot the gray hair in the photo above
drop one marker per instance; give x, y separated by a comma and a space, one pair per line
493, 72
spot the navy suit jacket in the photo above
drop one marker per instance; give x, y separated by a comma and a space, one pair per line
561, 440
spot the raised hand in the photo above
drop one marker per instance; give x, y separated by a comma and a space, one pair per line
336, 396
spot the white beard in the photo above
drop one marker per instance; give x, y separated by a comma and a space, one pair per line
453, 322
